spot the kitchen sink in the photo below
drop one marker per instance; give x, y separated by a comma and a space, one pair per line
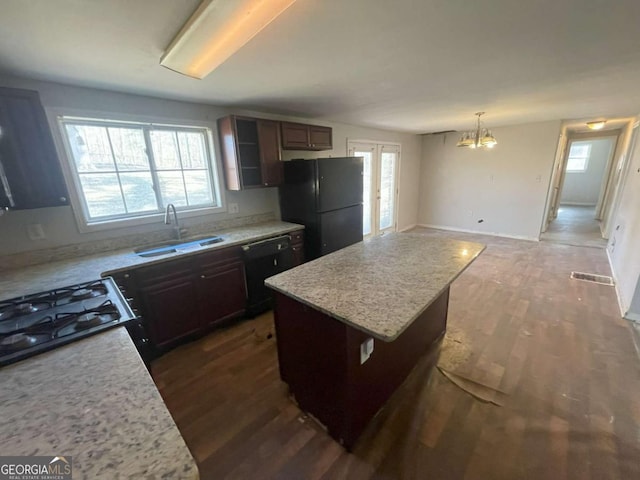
176, 246
210, 241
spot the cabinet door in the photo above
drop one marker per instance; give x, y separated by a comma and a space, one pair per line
30, 173
269, 141
297, 247
170, 309
320, 138
222, 293
295, 136
226, 131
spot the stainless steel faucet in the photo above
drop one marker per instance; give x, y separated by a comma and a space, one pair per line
167, 219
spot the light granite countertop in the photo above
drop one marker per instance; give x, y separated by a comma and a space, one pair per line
380, 285
92, 400
38, 278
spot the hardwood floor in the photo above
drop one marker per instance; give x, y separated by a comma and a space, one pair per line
556, 347
575, 225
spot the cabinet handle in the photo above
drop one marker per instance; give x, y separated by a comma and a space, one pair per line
126, 275
63, 199
203, 277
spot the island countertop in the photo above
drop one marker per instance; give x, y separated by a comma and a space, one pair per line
381, 285
92, 400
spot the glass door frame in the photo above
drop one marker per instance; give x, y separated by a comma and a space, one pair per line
377, 148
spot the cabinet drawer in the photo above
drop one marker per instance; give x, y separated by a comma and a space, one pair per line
297, 236
217, 258
167, 270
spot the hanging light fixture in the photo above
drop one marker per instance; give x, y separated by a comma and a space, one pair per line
479, 138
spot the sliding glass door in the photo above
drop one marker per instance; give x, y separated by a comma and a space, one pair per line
380, 190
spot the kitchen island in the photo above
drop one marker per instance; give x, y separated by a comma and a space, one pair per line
93, 401
351, 326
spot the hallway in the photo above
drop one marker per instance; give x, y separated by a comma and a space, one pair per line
575, 225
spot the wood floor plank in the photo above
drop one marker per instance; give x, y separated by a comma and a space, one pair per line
556, 346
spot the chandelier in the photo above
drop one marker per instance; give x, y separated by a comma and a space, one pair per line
479, 138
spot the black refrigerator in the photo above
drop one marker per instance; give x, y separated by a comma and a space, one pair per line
324, 195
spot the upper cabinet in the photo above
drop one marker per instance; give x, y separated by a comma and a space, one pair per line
251, 152
30, 173
299, 136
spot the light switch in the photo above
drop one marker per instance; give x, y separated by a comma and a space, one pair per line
366, 349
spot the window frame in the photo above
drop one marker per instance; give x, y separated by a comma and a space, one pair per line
76, 194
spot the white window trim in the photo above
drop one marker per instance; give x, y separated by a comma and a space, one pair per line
56, 116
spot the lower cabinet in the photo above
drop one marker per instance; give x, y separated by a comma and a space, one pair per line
185, 296
173, 308
222, 291
297, 247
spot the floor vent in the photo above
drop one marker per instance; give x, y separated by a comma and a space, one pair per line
590, 277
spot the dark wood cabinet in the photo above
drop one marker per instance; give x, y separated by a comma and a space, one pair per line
172, 308
183, 297
221, 286
300, 136
297, 247
251, 152
30, 173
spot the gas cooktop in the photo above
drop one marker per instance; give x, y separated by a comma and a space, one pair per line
39, 322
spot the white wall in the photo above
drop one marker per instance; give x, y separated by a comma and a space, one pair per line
505, 186
59, 223
583, 188
624, 243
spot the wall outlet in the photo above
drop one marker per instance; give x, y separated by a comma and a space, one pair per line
35, 232
539, 178
366, 349
233, 208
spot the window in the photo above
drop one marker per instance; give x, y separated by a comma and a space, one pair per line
578, 157
130, 170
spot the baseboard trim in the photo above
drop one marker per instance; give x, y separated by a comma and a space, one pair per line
406, 229
623, 312
464, 230
634, 317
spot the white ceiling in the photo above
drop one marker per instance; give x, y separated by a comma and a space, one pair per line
413, 65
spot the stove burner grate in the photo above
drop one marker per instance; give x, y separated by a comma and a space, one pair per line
18, 341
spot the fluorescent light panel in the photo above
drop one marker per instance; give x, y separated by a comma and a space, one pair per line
217, 30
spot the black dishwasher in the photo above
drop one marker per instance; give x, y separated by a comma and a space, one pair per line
262, 260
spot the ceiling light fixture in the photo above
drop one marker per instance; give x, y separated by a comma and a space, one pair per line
597, 125
479, 138
216, 30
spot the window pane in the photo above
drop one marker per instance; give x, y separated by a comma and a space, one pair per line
165, 150
192, 150
580, 150
198, 187
138, 192
576, 164
387, 183
102, 194
90, 148
129, 149
172, 188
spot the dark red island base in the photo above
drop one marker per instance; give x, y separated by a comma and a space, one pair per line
319, 359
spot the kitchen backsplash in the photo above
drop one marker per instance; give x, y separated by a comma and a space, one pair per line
36, 257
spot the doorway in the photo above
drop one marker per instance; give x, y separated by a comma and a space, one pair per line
582, 191
380, 185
